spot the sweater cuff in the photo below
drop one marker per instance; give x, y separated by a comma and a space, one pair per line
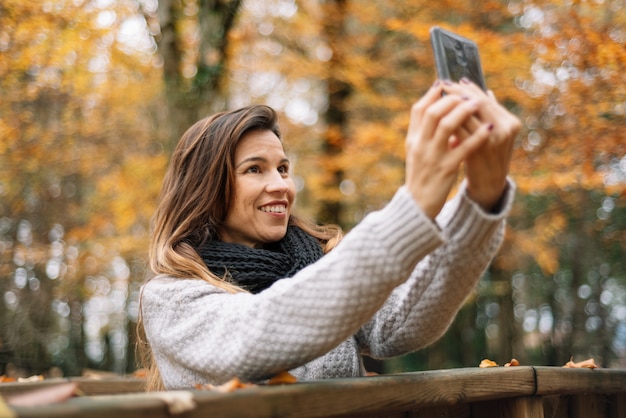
403, 223
466, 218
502, 208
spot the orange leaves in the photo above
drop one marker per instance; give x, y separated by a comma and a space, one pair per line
394, 24
230, 386
282, 378
486, 363
33, 378
235, 383
512, 363
585, 364
541, 249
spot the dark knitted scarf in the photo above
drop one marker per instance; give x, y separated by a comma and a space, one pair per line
256, 269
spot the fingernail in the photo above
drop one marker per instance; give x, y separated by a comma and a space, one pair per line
490, 127
465, 80
447, 82
465, 98
436, 83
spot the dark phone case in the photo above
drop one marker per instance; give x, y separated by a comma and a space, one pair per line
456, 57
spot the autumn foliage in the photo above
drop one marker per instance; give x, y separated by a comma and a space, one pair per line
90, 91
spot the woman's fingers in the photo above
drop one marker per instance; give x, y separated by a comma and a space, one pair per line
487, 167
421, 106
437, 145
441, 119
474, 141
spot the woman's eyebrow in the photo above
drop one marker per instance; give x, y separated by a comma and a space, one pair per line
259, 159
251, 159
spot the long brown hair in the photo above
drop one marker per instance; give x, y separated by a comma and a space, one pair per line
195, 198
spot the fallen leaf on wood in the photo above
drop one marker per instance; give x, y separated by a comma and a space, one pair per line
140, 374
98, 374
487, 363
585, 364
282, 378
230, 386
512, 363
7, 379
34, 378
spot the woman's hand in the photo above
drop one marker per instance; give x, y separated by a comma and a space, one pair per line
487, 168
432, 159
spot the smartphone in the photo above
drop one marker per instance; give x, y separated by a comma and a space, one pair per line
456, 57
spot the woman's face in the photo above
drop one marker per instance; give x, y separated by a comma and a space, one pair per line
264, 192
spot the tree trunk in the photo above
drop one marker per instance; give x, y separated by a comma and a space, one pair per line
331, 210
192, 97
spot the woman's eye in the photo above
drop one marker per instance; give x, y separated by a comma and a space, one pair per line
283, 169
253, 169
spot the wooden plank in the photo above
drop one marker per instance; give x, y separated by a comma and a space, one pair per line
405, 392
123, 406
557, 380
110, 386
392, 393
588, 406
442, 393
521, 407
617, 406
448, 411
86, 386
383, 414
556, 406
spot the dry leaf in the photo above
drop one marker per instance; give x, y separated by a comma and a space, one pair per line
585, 364
487, 363
140, 374
282, 378
512, 363
7, 379
234, 383
230, 386
34, 378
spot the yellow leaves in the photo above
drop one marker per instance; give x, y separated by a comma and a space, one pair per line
585, 364
588, 65
573, 176
539, 241
486, 363
282, 378
611, 55
394, 24
227, 387
128, 192
77, 146
512, 363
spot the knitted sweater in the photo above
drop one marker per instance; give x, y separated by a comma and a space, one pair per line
393, 285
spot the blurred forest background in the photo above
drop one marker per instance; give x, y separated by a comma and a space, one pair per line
95, 93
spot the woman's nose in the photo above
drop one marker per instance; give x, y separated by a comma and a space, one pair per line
277, 183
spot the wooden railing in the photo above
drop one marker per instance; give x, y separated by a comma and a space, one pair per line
473, 392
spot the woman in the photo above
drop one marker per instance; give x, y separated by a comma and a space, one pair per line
246, 289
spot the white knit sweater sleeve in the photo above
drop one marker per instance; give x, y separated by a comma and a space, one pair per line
419, 311
199, 333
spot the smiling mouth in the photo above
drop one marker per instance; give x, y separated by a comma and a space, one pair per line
274, 209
